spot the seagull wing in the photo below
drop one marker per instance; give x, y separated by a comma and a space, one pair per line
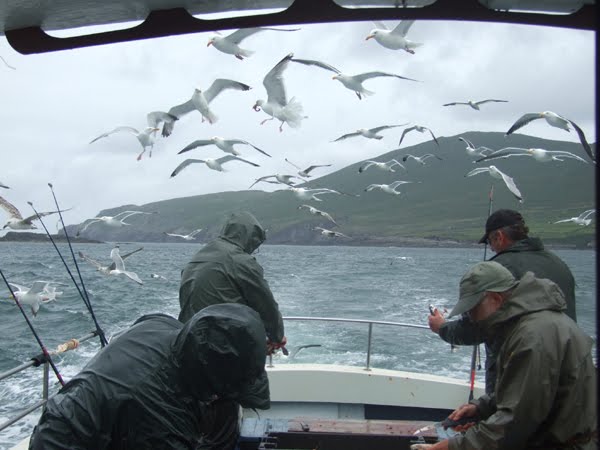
311, 168
126, 214
564, 221
195, 232
177, 111
522, 121
116, 130
481, 102
37, 287
583, 140
288, 161
346, 136
87, 225
258, 180
586, 214
117, 260
227, 158
10, 208
477, 171
395, 184
312, 62
433, 136
367, 75
127, 255
273, 82
193, 145
512, 187
221, 84
184, 164
385, 127
380, 25
396, 163
406, 130
366, 166
155, 118
93, 262
455, 103
238, 36
469, 143
505, 153
561, 154
240, 141
403, 27
43, 214
132, 276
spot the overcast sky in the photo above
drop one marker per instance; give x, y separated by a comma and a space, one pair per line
53, 105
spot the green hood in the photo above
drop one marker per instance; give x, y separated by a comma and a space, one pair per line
243, 230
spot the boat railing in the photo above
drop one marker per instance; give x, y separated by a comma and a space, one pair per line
37, 361
367, 322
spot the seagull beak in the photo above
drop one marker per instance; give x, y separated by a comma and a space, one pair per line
209, 43
369, 37
255, 107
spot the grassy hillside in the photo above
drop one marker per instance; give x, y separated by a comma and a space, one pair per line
441, 203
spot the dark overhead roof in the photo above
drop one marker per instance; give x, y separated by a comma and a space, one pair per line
23, 21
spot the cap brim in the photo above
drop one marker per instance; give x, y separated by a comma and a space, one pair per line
466, 304
484, 239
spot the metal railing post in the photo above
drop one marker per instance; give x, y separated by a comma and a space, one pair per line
369, 346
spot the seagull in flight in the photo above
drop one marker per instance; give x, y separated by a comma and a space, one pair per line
330, 233
117, 220
38, 293
2, 185
112, 266
214, 164
279, 179
475, 105
557, 121
420, 159
394, 39
224, 144
475, 151
120, 267
305, 173
277, 105
200, 102
144, 137
539, 154
582, 219
495, 173
230, 44
420, 129
156, 118
369, 133
385, 166
312, 194
316, 212
388, 188
352, 82
187, 237
16, 220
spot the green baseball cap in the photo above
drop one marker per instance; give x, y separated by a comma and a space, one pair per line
482, 277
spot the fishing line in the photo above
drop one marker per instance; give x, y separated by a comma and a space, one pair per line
85, 300
37, 337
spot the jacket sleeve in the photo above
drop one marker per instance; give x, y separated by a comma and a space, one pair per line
461, 332
524, 395
258, 296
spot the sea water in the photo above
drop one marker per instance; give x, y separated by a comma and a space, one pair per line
382, 284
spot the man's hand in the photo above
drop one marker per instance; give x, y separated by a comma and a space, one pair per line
436, 320
462, 413
272, 346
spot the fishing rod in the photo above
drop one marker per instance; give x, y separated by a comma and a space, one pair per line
85, 297
35, 334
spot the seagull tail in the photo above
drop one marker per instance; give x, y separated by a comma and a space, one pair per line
246, 53
293, 113
211, 117
366, 92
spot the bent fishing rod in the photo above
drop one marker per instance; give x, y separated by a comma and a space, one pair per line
85, 297
35, 334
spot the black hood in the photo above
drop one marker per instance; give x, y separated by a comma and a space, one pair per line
244, 230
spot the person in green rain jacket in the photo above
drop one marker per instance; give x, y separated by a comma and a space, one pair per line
224, 271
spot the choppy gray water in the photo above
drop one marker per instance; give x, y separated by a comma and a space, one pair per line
390, 284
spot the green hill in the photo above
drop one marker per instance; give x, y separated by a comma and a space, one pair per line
441, 203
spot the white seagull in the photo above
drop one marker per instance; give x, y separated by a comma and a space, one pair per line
158, 277
385, 166
305, 173
352, 82
557, 121
120, 267
188, 237
214, 164
112, 266
369, 133
475, 151
388, 188
495, 173
539, 154
38, 293
475, 105
200, 102
2, 185
144, 137
156, 118
582, 219
279, 179
330, 233
420, 159
317, 212
230, 44
117, 220
16, 220
277, 106
312, 194
394, 39
224, 144
420, 129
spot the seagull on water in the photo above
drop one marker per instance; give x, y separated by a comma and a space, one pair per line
539, 154
117, 220
385, 166
158, 277
16, 220
316, 212
120, 267
475, 105
200, 102
582, 219
420, 129
144, 137
330, 233
230, 44
38, 293
214, 164
277, 106
420, 159
387, 188
394, 39
112, 266
305, 173
279, 179
369, 133
188, 237
495, 173
352, 82
224, 144
475, 151
557, 121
